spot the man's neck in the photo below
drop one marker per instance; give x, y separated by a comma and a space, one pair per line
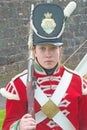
50, 71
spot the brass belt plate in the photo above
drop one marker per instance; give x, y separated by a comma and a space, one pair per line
85, 76
50, 109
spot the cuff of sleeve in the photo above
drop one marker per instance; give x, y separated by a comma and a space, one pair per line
15, 125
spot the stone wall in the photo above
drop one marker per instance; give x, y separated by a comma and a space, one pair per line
14, 21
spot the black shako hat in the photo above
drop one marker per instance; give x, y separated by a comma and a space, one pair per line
48, 23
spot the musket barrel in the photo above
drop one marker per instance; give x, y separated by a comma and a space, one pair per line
30, 77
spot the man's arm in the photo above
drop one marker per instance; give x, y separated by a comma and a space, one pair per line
14, 112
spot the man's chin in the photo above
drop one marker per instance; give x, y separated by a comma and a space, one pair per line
48, 67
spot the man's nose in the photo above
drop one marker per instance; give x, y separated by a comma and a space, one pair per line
48, 52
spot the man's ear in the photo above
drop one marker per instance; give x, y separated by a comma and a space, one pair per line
34, 51
60, 54
60, 49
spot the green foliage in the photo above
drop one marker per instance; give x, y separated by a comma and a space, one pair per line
2, 115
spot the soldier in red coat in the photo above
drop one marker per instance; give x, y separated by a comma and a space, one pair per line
60, 100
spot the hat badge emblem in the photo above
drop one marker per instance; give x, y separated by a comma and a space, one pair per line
48, 24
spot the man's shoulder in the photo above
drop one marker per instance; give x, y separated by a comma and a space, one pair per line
12, 90
71, 71
20, 75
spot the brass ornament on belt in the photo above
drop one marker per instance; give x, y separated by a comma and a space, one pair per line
50, 109
85, 76
48, 24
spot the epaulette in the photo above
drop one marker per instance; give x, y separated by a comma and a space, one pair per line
8, 94
10, 91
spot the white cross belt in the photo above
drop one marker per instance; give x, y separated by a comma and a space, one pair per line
59, 118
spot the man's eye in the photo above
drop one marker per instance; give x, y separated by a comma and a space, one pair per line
54, 47
42, 48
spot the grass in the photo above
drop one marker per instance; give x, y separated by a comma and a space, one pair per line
2, 115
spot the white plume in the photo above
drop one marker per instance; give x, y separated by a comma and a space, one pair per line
69, 9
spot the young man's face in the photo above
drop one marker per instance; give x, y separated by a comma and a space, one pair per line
47, 55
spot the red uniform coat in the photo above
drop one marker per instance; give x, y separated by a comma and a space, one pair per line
73, 104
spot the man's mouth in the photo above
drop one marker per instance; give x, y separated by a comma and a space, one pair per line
48, 61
